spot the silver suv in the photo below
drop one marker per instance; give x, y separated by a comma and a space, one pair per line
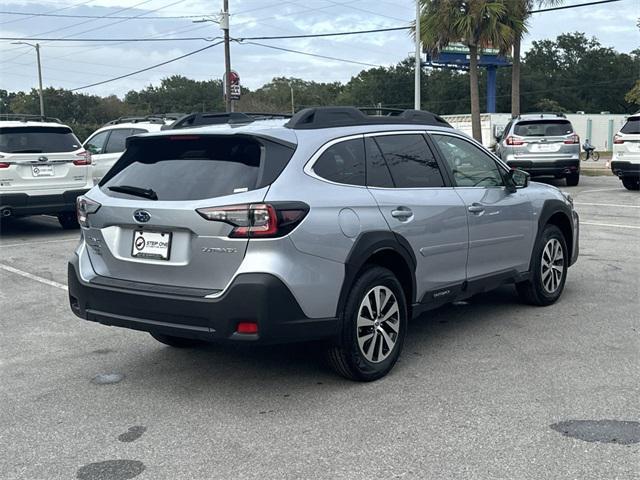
43, 168
542, 144
334, 226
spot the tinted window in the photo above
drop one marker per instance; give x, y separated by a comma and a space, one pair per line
410, 161
117, 140
632, 126
471, 167
37, 140
543, 128
193, 168
342, 163
96, 143
378, 174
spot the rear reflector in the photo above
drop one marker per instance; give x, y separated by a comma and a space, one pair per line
247, 327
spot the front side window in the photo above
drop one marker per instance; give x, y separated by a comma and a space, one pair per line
343, 162
96, 143
410, 161
470, 166
117, 140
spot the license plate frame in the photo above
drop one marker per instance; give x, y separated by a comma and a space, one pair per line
42, 171
545, 147
147, 248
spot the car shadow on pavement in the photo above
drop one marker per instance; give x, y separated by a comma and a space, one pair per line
31, 226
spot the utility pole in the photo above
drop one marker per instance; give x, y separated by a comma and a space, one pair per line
224, 24
37, 47
418, 67
293, 105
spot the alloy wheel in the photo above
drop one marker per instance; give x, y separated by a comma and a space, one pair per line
378, 324
552, 265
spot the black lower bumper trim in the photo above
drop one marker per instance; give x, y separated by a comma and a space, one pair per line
555, 167
253, 297
22, 204
625, 169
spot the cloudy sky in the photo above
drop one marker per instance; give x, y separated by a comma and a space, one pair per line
73, 65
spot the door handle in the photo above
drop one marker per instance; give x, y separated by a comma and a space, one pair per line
401, 213
476, 208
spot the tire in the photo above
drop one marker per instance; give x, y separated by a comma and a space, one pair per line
573, 179
177, 342
595, 156
583, 156
631, 183
541, 289
68, 220
355, 356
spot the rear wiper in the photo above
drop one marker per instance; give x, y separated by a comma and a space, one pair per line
136, 191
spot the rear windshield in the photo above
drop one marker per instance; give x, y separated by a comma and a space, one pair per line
37, 140
543, 128
632, 126
197, 167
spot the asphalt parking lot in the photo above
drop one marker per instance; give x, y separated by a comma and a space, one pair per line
474, 396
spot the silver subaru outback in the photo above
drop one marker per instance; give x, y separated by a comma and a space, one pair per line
542, 144
335, 226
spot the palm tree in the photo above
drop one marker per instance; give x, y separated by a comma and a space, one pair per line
521, 9
475, 23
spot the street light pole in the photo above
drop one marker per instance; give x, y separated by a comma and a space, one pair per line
224, 24
40, 94
418, 66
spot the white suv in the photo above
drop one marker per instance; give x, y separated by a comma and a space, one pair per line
108, 143
626, 153
43, 168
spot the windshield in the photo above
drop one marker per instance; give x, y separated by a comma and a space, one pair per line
632, 126
37, 140
195, 167
543, 128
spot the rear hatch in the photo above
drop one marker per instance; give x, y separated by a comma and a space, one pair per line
545, 139
41, 158
626, 144
148, 228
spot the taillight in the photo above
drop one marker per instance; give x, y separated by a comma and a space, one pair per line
512, 141
4, 165
85, 158
618, 139
572, 140
85, 207
258, 220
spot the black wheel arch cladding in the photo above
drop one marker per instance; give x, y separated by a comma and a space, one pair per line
558, 213
378, 243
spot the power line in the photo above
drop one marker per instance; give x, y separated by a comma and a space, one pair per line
147, 68
61, 15
565, 7
318, 35
45, 13
327, 57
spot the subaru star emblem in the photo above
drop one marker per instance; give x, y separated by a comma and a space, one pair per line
141, 216
43, 159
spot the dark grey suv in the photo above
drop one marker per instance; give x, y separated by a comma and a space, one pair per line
542, 144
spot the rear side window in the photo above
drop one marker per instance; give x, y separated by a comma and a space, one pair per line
632, 126
410, 161
189, 167
37, 140
378, 174
543, 128
343, 162
117, 140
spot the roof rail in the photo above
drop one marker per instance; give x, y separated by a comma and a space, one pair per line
541, 114
25, 117
201, 119
160, 118
327, 117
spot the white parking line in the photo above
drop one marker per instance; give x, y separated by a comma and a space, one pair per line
31, 276
74, 239
607, 205
610, 225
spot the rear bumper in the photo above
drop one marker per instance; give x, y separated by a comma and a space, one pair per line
547, 167
625, 169
22, 204
253, 297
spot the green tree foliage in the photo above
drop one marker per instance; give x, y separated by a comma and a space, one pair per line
568, 74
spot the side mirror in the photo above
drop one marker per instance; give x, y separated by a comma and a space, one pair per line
517, 179
497, 133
